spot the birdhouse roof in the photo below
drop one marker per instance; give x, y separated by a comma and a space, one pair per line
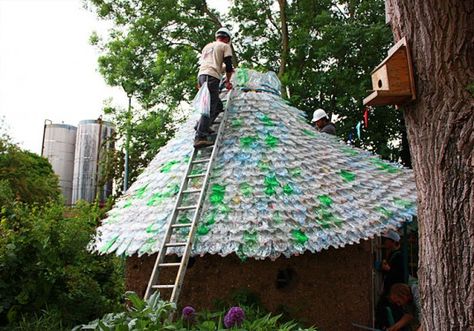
277, 187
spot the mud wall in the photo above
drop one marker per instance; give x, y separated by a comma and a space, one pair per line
330, 289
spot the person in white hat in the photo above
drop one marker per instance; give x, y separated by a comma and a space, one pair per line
213, 58
392, 267
390, 234
322, 123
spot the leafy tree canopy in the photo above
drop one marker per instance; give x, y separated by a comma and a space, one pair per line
333, 46
25, 176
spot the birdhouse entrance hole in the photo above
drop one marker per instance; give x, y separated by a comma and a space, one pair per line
392, 80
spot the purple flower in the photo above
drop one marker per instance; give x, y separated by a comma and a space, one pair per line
189, 313
235, 316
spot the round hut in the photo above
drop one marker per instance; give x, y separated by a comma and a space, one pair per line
290, 213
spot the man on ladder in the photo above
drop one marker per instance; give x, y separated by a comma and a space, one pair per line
214, 55
192, 192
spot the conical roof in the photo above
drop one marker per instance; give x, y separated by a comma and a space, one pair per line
277, 186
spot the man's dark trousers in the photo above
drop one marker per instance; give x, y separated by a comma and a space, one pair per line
216, 105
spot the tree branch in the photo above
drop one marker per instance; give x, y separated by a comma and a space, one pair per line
176, 43
340, 10
284, 41
218, 24
211, 15
270, 18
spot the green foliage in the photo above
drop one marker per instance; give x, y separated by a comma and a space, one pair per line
245, 297
6, 193
148, 54
45, 320
140, 315
46, 252
149, 131
153, 314
333, 47
25, 176
470, 88
259, 33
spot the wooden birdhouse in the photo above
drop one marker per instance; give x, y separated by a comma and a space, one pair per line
393, 82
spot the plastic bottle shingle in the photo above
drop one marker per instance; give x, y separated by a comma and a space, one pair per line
278, 187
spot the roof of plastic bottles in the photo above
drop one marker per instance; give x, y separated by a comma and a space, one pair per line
277, 187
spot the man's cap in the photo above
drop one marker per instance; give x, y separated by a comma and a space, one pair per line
390, 234
318, 114
223, 32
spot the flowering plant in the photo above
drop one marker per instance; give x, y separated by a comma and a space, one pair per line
153, 314
235, 316
188, 314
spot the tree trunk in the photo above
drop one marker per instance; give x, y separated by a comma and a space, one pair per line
284, 42
440, 126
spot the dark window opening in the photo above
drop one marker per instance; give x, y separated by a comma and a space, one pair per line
284, 278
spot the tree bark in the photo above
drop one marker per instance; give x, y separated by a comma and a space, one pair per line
405, 156
440, 126
284, 42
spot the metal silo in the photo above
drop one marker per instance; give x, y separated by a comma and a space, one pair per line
92, 144
59, 143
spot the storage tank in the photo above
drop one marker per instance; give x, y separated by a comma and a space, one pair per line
93, 141
59, 143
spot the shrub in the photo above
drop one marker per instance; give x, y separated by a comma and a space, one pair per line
44, 264
25, 176
139, 315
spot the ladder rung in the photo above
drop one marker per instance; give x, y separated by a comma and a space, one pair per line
196, 175
169, 264
175, 244
182, 225
163, 286
192, 191
201, 161
187, 207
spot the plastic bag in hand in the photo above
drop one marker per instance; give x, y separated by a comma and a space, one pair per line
202, 100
